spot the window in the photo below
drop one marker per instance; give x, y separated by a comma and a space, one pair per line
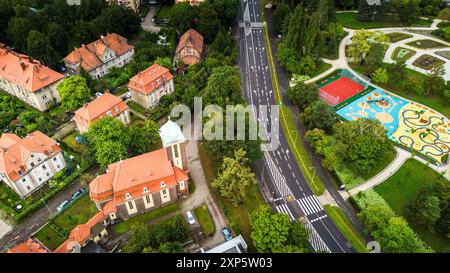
145, 190
57, 166
163, 184
109, 113
176, 151
19, 173
164, 192
40, 179
130, 205
24, 180
147, 199
48, 174
54, 159
51, 152
32, 164
127, 196
39, 160
32, 155
28, 187
44, 167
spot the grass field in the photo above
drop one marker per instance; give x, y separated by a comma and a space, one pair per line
78, 213
238, 216
125, 226
350, 20
402, 187
398, 36
205, 220
49, 237
73, 144
433, 101
378, 168
346, 228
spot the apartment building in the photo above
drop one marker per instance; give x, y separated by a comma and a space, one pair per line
26, 164
98, 57
28, 79
148, 86
107, 105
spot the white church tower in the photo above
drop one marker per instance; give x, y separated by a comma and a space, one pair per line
174, 142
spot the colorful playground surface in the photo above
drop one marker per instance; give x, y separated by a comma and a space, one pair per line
410, 124
339, 88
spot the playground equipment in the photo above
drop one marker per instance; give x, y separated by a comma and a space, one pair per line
383, 101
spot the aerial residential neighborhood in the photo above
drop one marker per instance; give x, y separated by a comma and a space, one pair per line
224, 126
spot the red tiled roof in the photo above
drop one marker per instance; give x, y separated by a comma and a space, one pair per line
32, 245
100, 106
134, 174
192, 39
15, 151
89, 55
150, 79
24, 71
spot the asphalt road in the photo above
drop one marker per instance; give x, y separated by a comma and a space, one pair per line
279, 170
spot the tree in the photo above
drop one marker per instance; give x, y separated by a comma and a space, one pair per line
165, 62
17, 32
362, 43
270, 230
299, 236
170, 247
117, 19
302, 94
397, 71
319, 115
234, 177
182, 16
140, 238
209, 24
380, 75
224, 87
444, 14
59, 37
74, 92
375, 57
434, 82
109, 152
279, 15
413, 86
375, 217
365, 11
6, 13
39, 47
426, 208
142, 137
408, 10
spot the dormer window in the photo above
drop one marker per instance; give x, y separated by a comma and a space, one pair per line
32, 155
109, 113
51, 152
145, 190
127, 196
163, 184
19, 173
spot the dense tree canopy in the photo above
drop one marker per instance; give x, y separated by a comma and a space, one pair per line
74, 92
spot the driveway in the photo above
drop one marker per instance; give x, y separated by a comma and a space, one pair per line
147, 24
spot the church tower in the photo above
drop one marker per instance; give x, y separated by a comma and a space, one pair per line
174, 142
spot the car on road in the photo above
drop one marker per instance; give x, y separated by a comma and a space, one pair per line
77, 193
128, 95
98, 94
63, 204
226, 234
190, 217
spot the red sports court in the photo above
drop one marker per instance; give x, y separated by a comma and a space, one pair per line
339, 90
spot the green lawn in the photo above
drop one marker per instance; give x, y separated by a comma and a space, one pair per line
145, 217
49, 237
383, 164
205, 219
78, 213
238, 216
402, 187
73, 144
346, 228
433, 101
163, 12
322, 68
350, 20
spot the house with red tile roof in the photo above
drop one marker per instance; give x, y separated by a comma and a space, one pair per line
98, 57
32, 245
28, 79
106, 105
26, 164
144, 182
190, 47
148, 86
93, 230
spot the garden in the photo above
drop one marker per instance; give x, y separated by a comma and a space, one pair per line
428, 62
79, 212
444, 54
205, 220
350, 20
401, 53
426, 44
398, 36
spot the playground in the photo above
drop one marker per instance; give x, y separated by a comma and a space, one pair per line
408, 124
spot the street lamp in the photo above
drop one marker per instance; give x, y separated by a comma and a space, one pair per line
46, 206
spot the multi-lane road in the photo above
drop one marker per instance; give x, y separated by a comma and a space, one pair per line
279, 170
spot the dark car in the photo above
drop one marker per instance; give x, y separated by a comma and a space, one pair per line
226, 234
77, 193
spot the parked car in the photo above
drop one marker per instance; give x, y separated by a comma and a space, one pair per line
128, 95
190, 217
226, 234
61, 206
98, 94
77, 193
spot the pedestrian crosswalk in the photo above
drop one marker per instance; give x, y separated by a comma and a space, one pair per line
280, 181
316, 241
310, 205
318, 218
283, 208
